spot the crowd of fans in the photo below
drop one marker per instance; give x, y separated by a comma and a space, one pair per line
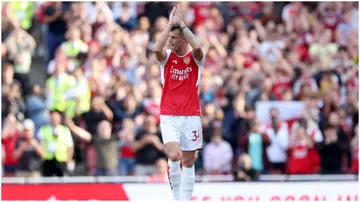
102, 95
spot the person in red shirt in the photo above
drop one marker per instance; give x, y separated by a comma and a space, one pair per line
9, 137
127, 161
300, 148
180, 120
355, 151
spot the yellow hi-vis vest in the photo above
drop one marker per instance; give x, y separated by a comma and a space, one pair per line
72, 49
85, 98
24, 12
82, 104
61, 150
58, 91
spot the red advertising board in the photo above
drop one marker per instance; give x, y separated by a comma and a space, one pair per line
63, 192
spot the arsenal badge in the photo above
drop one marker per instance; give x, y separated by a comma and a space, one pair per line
187, 60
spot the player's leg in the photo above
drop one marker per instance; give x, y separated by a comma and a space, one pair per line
172, 150
191, 141
171, 139
188, 175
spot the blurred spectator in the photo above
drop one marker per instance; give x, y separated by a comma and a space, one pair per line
36, 108
29, 152
7, 82
79, 95
99, 111
310, 143
125, 14
13, 102
304, 85
355, 151
153, 10
324, 49
60, 57
127, 161
57, 87
300, 145
161, 172
242, 125
58, 146
24, 12
56, 27
331, 152
334, 120
9, 136
81, 139
279, 141
148, 147
106, 148
243, 171
74, 46
20, 46
255, 144
217, 155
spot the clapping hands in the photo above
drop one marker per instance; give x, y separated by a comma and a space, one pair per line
176, 16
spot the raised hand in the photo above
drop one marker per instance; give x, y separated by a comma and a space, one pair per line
178, 14
172, 16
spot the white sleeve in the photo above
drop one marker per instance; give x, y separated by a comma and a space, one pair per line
162, 63
318, 137
69, 139
162, 66
283, 138
77, 91
296, 88
199, 63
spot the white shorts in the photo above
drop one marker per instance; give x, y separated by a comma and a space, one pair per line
186, 130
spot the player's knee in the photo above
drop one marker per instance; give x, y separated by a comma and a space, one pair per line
174, 156
189, 162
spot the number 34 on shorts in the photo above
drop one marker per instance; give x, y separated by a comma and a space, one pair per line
186, 130
196, 135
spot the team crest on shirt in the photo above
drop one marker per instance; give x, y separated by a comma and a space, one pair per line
187, 60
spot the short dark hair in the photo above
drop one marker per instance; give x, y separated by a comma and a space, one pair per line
175, 27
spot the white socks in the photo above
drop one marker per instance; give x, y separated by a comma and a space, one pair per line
174, 174
182, 185
187, 183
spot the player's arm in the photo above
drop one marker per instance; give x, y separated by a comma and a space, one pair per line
189, 36
160, 52
192, 40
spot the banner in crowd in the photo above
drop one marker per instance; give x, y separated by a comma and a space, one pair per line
305, 191
289, 111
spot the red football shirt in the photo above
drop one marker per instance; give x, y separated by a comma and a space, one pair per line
180, 76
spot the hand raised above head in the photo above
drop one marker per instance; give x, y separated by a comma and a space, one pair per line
171, 17
178, 14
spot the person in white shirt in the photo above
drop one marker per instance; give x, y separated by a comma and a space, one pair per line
278, 134
218, 155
